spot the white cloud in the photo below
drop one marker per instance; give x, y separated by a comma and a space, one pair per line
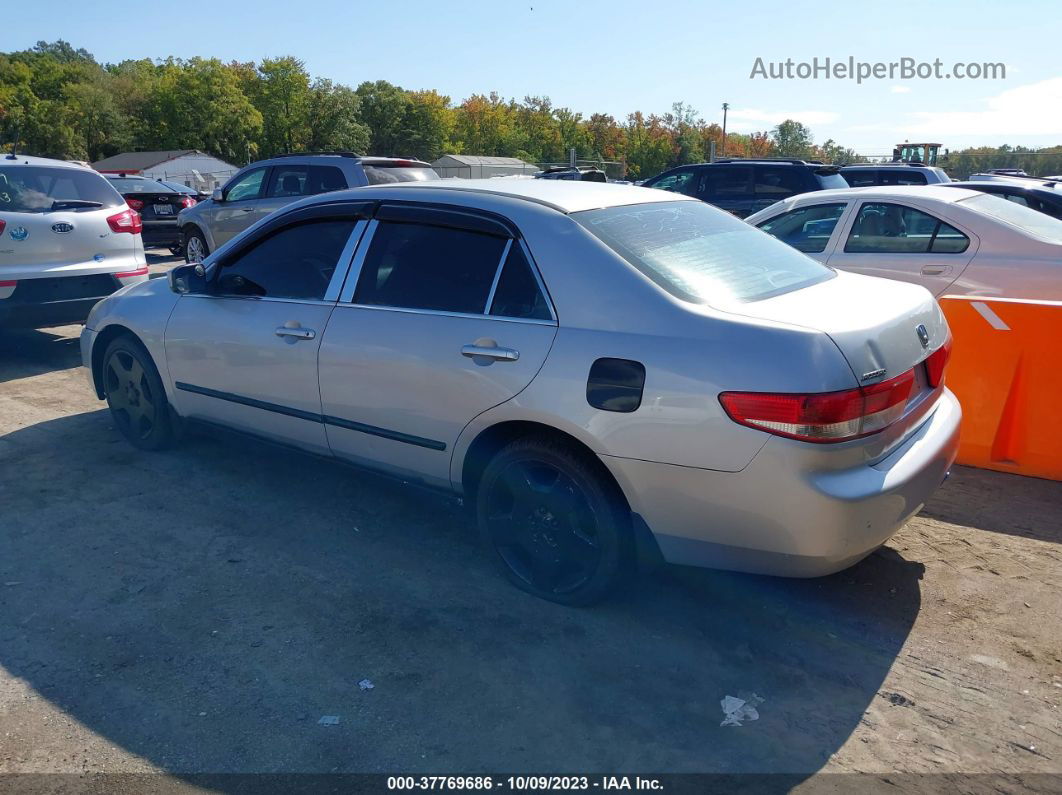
758, 119
900, 89
1033, 109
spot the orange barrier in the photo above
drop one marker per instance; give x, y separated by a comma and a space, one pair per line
1006, 370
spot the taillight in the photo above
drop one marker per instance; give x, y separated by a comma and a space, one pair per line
7, 283
128, 274
937, 362
822, 417
136, 204
126, 221
187, 201
3, 224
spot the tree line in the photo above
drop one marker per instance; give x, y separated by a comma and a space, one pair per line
60, 102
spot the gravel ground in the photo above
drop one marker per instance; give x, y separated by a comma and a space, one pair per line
200, 610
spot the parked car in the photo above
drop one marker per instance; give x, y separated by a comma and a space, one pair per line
864, 175
742, 187
198, 195
945, 238
573, 173
67, 239
562, 356
260, 188
158, 205
1040, 196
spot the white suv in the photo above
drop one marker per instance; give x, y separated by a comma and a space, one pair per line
67, 239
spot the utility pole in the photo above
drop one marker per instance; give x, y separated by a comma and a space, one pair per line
726, 107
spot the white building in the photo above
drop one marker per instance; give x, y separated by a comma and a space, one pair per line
187, 166
477, 167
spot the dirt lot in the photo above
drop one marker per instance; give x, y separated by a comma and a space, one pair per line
200, 610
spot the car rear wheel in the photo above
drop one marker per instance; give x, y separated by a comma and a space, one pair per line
135, 395
554, 523
195, 246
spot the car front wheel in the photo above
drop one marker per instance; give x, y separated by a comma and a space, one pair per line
553, 522
135, 395
195, 246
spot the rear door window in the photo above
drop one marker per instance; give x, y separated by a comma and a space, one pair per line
861, 178
806, 229
34, 189
882, 228
777, 182
295, 262
422, 266
518, 293
722, 183
897, 177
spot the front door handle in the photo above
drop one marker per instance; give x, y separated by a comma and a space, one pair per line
490, 352
247, 209
297, 333
935, 270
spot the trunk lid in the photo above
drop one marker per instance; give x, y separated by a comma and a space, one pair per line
874, 322
53, 243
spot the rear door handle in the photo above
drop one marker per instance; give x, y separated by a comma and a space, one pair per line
935, 270
490, 352
297, 333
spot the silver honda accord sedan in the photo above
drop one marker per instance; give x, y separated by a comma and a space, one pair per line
602, 373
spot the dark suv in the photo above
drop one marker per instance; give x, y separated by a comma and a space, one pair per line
743, 187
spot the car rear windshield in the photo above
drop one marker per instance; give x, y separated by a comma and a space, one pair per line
34, 189
127, 185
1028, 220
702, 254
834, 180
381, 175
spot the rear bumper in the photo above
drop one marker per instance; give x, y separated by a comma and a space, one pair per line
161, 234
791, 512
57, 301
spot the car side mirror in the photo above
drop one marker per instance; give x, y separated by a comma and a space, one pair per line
217, 195
188, 279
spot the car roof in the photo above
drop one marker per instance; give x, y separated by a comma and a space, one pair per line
936, 192
566, 196
897, 166
1014, 184
28, 160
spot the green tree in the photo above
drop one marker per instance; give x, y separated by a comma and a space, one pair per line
427, 125
792, 139
383, 111
332, 119
283, 99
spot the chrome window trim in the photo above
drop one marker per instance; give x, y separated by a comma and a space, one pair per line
497, 276
346, 295
267, 298
339, 275
443, 313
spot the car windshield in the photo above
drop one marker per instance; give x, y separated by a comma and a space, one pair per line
1026, 219
381, 175
34, 189
702, 254
133, 185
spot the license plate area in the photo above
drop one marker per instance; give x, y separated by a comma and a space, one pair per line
163, 209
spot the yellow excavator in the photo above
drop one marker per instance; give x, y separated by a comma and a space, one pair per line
926, 154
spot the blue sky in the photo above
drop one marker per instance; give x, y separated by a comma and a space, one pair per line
621, 56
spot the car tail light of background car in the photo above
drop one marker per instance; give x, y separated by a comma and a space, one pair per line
136, 204
823, 417
130, 274
3, 225
126, 221
188, 201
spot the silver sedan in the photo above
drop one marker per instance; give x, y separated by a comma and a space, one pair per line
602, 373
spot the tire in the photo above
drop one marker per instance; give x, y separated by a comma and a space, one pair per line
554, 523
135, 395
195, 246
